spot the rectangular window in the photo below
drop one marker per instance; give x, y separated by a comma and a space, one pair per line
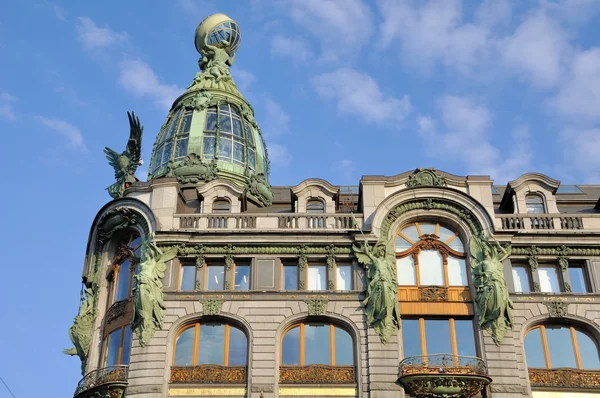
215, 277
113, 346
317, 277
578, 280
242, 277
549, 279
187, 277
343, 277
425, 336
290, 277
431, 268
521, 279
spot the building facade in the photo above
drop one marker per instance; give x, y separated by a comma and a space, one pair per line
208, 281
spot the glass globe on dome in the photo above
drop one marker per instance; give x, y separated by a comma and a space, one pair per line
228, 31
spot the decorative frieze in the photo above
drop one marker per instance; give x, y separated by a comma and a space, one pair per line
433, 293
317, 374
564, 377
208, 374
193, 250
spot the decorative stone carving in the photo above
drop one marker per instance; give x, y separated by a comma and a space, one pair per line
317, 374
445, 386
209, 374
536, 287
148, 300
126, 163
563, 377
191, 250
433, 293
199, 101
425, 177
563, 260
330, 257
192, 170
557, 309
381, 303
211, 306
302, 259
316, 306
568, 287
532, 258
116, 220
492, 299
260, 188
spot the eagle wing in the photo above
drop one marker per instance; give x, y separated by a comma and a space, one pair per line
113, 160
134, 145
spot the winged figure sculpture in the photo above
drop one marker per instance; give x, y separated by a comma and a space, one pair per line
126, 163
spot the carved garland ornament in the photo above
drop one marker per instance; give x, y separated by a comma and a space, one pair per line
425, 177
557, 309
316, 306
211, 306
433, 293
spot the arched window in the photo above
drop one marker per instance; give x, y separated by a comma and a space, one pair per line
117, 346
430, 254
172, 142
221, 206
315, 206
235, 137
535, 204
560, 346
317, 343
125, 265
210, 343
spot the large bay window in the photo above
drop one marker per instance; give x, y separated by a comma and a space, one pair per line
117, 347
125, 266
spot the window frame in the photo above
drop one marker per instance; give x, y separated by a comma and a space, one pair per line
560, 278
195, 348
529, 277
440, 246
319, 264
536, 196
546, 349
282, 276
124, 252
453, 336
106, 343
205, 276
246, 263
335, 277
586, 277
183, 264
302, 356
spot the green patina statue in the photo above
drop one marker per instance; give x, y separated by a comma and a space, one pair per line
492, 299
126, 163
148, 298
83, 324
381, 303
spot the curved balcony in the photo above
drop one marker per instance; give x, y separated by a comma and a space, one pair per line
443, 375
110, 381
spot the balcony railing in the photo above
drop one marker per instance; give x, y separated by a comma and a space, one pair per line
269, 221
549, 221
110, 378
443, 375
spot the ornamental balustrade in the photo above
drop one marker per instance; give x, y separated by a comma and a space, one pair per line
269, 221
548, 221
111, 377
442, 364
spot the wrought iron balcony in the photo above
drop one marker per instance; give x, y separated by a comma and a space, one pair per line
443, 375
110, 381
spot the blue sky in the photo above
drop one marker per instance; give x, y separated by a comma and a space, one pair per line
341, 89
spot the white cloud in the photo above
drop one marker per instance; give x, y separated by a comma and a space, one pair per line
243, 78
59, 12
433, 32
138, 78
579, 96
359, 94
276, 119
580, 151
293, 48
341, 26
93, 36
6, 106
279, 155
467, 123
72, 135
538, 48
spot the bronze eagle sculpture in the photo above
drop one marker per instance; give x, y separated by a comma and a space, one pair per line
126, 163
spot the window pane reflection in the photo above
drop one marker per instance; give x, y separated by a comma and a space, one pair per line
534, 351
578, 283
343, 278
290, 277
317, 277
411, 337
125, 351
465, 338
211, 344
184, 347
114, 343
548, 279
521, 279
588, 351
242, 277
560, 346
431, 268
457, 272
290, 347
344, 351
215, 277
437, 336
237, 347
316, 344
406, 271
123, 281
188, 277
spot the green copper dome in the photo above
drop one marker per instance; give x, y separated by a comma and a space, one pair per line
210, 131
